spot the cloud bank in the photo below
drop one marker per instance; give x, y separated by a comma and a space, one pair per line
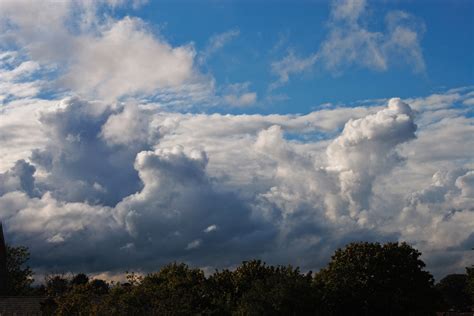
114, 186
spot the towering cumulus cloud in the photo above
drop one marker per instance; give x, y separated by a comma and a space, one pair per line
367, 148
132, 186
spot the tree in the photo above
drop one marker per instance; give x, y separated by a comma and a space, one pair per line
79, 296
19, 275
374, 279
176, 290
78, 300
99, 286
470, 281
454, 292
79, 279
56, 285
257, 289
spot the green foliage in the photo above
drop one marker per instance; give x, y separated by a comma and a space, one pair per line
374, 279
176, 289
257, 289
360, 279
454, 292
78, 296
79, 300
19, 275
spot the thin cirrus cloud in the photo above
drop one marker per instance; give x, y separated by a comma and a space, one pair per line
217, 42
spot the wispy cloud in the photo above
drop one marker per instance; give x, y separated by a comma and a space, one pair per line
217, 42
350, 42
238, 95
291, 65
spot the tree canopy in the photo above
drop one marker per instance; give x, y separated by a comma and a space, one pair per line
19, 275
360, 279
454, 292
470, 281
376, 279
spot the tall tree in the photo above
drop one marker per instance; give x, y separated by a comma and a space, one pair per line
19, 275
470, 281
454, 291
374, 279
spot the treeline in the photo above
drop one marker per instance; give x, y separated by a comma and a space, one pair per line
360, 279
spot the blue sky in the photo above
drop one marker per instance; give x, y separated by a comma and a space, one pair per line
134, 133
269, 29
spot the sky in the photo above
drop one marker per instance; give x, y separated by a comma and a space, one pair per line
136, 133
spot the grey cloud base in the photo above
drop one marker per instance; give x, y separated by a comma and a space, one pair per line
115, 188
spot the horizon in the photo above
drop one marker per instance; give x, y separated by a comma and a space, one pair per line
138, 133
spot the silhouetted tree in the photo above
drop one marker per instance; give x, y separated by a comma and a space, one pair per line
360, 279
175, 289
374, 279
82, 297
80, 279
454, 292
99, 286
56, 285
257, 289
78, 300
19, 275
470, 281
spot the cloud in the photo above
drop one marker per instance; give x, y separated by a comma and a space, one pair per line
128, 127
20, 131
79, 163
18, 178
94, 56
466, 184
351, 43
217, 42
238, 95
348, 10
210, 229
365, 149
469, 101
133, 186
127, 59
242, 100
194, 244
290, 65
444, 210
16, 77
